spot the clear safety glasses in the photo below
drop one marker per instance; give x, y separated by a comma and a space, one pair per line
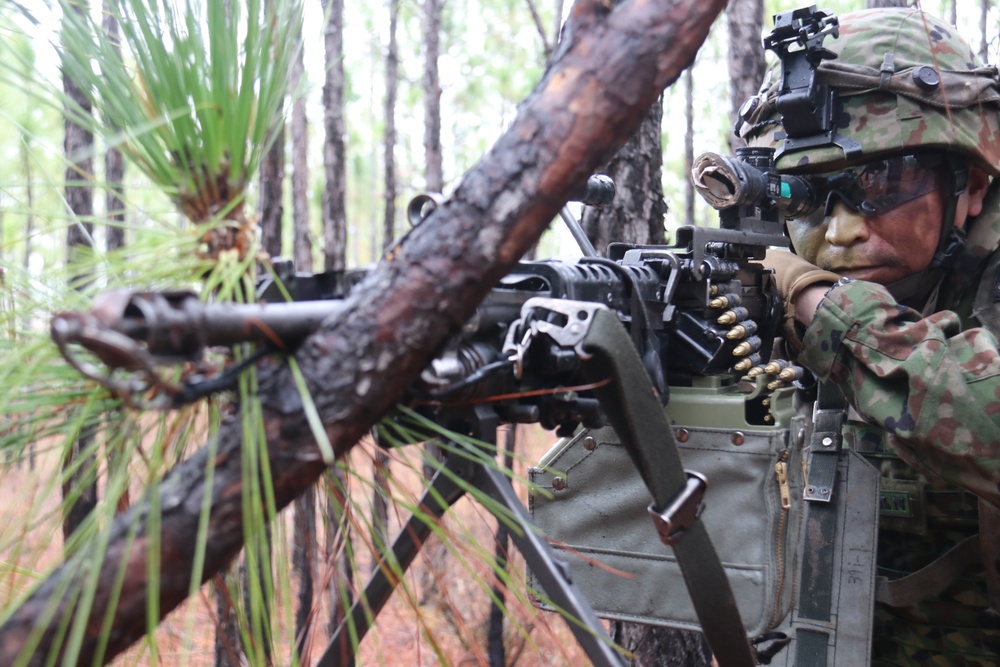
881, 185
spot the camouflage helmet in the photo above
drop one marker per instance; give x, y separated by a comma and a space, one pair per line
905, 80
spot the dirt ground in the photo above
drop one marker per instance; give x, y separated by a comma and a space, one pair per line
441, 618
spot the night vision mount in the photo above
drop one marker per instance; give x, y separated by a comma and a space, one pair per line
807, 107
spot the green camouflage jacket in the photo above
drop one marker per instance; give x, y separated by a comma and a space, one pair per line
927, 389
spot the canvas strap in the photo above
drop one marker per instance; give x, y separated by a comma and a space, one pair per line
635, 412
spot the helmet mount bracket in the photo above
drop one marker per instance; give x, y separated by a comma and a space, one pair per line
807, 107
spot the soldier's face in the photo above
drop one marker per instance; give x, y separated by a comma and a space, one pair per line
886, 247
881, 248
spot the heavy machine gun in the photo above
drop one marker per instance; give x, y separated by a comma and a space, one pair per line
570, 345
699, 308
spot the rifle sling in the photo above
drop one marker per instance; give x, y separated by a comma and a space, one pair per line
634, 411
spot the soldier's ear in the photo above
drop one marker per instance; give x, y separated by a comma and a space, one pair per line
970, 202
979, 183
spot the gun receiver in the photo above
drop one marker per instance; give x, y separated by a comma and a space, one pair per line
699, 307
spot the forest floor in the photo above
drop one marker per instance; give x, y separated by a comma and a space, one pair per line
441, 618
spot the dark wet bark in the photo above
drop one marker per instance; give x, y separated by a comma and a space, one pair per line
610, 68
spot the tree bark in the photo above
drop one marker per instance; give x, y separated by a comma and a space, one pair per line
610, 68
272, 181
334, 149
304, 552
301, 233
389, 148
745, 19
689, 193
79, 487
433, 170
984, 45
636, 214
114, 167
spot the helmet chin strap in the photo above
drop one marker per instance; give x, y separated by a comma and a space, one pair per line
913, 290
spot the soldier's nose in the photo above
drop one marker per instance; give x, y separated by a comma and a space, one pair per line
844, 227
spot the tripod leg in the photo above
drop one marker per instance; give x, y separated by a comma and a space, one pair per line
442, 493
551, 572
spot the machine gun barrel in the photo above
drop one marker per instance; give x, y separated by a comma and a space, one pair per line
177, 326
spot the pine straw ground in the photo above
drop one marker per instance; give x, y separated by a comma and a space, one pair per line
455, 616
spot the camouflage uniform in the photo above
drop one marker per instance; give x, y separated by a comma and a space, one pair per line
925, 389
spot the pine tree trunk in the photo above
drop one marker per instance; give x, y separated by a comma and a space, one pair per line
79, 488
304, 541
745, 19
636, 214
433, 171
301, 232
272, 181
272, 186
689, 193
114, 167
984, 48
334, 150
357, 366
389, 148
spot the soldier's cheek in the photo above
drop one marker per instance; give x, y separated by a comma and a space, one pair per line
807, 239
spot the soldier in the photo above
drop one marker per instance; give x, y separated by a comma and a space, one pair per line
892, 295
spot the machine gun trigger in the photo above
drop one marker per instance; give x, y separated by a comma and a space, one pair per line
565, 322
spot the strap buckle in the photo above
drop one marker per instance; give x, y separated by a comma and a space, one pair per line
673, 522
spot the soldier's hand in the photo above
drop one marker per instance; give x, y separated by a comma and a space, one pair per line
801, 285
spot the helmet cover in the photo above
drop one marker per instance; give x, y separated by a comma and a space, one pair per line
905, 81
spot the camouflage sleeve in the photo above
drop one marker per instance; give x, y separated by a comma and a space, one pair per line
933, 386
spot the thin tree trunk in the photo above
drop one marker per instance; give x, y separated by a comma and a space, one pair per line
29, 232
495, 645
358, 365
984, 48
304, 541
745, 19
689, 198
389, 148
79, 486
301, 232
114, 167
228, 645
540, 29
433, 170
334, 150
337, 547
272, 181
272, 185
